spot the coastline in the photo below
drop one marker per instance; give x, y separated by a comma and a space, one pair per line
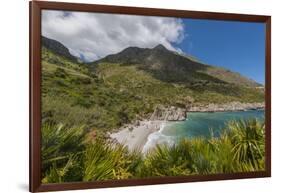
232, 106
136, 135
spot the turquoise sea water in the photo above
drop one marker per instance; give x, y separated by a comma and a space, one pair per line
198, 124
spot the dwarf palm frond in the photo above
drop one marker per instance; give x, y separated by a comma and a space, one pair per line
58, 174
167, 160
59, 143
248, 142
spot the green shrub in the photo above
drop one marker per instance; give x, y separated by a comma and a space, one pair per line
83, 102
60, 72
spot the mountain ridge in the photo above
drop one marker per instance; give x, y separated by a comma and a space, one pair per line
160, 60
58, 48
164, 64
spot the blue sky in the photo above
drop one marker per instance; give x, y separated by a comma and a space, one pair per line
238, 46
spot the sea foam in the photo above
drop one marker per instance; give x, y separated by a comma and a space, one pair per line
158, 138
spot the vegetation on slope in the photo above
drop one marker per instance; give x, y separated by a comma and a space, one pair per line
115, 94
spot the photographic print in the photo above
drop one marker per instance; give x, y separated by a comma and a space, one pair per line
140, 97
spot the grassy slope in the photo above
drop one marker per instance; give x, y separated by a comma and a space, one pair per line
116, 94
138, 82
230, 77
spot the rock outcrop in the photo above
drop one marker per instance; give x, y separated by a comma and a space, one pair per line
169, 113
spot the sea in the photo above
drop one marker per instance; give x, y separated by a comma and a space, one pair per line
197, 124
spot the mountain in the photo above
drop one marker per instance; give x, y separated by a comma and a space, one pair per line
171, 66
157, 58
58, 48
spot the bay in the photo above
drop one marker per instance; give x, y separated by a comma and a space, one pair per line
198, 124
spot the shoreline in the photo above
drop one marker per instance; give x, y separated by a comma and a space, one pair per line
232, 106
221, 111
136, 135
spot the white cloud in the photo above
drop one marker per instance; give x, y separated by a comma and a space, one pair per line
95, 35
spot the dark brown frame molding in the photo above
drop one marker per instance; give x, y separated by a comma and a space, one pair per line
35, 8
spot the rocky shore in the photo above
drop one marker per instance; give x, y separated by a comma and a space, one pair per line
173, 113
232, 106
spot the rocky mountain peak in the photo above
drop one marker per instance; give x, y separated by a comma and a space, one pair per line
160, 47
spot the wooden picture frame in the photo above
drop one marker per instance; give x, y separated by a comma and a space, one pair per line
35, 93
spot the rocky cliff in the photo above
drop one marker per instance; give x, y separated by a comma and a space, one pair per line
169, 114
173, 113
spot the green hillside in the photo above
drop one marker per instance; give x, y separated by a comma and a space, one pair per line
107, 95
